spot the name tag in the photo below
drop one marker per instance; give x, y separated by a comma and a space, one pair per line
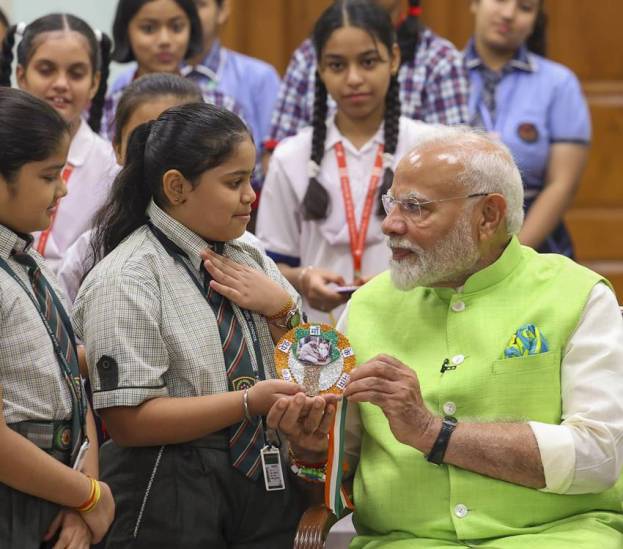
273, 473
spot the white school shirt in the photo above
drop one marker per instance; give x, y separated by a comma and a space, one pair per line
78, 260
289, 238
94, 169
584, 454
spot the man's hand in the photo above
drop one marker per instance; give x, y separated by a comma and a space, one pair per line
394, 387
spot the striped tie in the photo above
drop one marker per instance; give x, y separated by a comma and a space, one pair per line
245, 438
63, 341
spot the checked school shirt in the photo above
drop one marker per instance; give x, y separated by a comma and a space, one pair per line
433, 87
148, 331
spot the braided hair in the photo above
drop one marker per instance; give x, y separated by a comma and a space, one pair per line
408, 32
537, 41
368, 16
99, 53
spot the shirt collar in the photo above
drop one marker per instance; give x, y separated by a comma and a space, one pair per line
10, 242
522, 60
334, 135
510, 259
210, 65
191, 243
81, 144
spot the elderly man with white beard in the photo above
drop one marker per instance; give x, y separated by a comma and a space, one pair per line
487, 406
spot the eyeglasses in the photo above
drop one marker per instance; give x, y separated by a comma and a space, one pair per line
413, 207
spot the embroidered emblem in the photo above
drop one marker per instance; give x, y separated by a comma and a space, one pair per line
528, 132
244, 382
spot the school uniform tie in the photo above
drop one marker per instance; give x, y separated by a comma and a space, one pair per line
245, 438
63, 341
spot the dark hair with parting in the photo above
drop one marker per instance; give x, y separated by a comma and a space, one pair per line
537, 41
127, 9
99, 53
152, 86
4, 21
24, 143
191, 138
373, 19
408, 32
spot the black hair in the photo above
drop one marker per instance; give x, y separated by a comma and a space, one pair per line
99, 53
4, 20
368, 16
537, 41
24, 143
191, 138
151, 86
408, 33
127, 9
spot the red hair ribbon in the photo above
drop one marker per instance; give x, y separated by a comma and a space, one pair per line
415, 11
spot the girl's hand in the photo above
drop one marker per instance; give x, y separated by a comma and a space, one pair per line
102, 515
313, 285
264, 394
246, 287
306, 422
74, 533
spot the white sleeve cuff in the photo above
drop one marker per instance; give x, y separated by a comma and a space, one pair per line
557, 451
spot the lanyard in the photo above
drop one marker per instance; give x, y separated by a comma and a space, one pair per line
68, 375
358, 237
178, 254
45, 235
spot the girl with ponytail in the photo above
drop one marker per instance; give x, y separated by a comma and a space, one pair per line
179, 321
62, 61
320, 214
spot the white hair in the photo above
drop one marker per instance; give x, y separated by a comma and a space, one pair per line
488, 165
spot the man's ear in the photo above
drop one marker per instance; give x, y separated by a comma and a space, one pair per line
492, 214
223, 13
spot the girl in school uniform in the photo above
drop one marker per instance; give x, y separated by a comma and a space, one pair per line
45, 418
180, 351
537, 108
143, 100
320, 213
60, 60
157, 36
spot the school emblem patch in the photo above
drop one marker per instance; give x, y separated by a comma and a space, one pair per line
242, 383
315, 356
528, 132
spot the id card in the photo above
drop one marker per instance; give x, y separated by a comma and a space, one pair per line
273, 473
82, 453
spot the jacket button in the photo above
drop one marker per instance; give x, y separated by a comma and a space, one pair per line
461, 511
458, 306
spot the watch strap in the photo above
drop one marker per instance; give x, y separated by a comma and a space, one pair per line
438, 451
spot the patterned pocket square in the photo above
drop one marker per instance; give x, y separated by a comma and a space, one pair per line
527, 340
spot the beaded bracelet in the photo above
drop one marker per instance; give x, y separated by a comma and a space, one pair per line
93, 499
310, 472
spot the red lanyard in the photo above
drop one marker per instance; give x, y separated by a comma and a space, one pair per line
45, 235
358, 237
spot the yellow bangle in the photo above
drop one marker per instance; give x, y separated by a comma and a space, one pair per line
94, 498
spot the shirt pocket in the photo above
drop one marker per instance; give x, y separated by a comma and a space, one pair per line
527, 365
526, 388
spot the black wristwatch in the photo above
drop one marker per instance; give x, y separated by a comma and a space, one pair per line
438, 450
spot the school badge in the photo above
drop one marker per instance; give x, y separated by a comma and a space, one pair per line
315, 356
528, 132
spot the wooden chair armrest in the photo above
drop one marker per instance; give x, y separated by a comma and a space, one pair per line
314, 527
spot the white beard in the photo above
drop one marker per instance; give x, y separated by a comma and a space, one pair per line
452, 257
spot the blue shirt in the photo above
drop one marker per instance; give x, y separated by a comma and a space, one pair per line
254, 84
537, 103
